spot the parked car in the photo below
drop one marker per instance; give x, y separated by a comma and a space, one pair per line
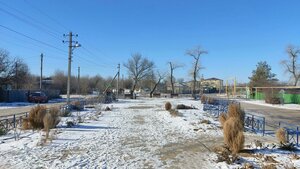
38, 97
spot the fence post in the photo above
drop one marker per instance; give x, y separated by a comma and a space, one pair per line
14, 121
264, 126
297, 136
252, 122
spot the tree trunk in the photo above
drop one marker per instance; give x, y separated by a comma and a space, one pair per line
152, 91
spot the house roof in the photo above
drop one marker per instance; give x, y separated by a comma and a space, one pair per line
213, 78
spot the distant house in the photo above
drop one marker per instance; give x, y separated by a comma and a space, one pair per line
212, 83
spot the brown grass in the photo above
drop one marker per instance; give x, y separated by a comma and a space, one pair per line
281, 136
222, 118
269, 166
174, 112
233, 134
234, 110
26, 124
168, 106
36, 116
203, 99
50, 120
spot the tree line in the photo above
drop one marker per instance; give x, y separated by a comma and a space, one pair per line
14, 72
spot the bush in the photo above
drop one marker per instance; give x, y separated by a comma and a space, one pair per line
26, 124
234, 110
222, 119
233, 134
76, 105
211, 100
36, 116
271, 96
174, 112
2, 131
281, 136
203, 99
50, 120
168, 106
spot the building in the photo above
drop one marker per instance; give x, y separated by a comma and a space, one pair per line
212, 84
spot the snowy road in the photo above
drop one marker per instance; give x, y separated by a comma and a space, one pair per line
136, 134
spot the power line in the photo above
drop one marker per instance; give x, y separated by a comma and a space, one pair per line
48, 16
31, 18
36, 40
30, 23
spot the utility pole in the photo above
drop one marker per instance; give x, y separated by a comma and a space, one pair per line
118, 80
41, 77
78, 81
17, 78
71, 48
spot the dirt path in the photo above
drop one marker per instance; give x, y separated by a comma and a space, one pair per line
134, 135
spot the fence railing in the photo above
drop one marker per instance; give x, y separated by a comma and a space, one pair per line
255, 123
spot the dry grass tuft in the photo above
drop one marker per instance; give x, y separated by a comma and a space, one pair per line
50, 120
234, 110
281, 136
269, 166
203, 99
174, 112
168, 106
222, 118
36, 116
238, 142
233, 134
205, 121
76, 105
26, 124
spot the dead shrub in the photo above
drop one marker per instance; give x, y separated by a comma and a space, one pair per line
205, 121
269, 166
238, 142
281, 136
26, 124
76, 105
36, 116
174, 112
168, 106
50, 120
203, 99
235, 110
222, 118
233, 134
211, 100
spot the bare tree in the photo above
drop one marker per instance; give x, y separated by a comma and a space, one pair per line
6, 67
173, 66
291, 64
21, 74
159, 78
138, 68
196, 53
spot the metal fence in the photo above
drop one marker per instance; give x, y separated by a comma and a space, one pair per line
255, 123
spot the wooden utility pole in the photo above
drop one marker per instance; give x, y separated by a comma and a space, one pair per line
41, 77
69, 67
17, 78
118, 80
78, 81
71, 48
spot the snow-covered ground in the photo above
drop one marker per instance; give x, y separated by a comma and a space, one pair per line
135, 134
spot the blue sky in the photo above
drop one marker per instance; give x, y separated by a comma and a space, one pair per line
236, 33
